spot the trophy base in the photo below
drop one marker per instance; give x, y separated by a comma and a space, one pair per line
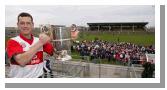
65, 58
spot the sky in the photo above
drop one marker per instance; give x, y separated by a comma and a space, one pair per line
81, 14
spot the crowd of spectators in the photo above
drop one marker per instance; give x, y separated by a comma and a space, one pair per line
120, 51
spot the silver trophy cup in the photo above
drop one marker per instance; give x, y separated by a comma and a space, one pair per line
61, 39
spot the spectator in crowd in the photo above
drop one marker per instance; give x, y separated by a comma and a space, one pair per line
47, 67
149, 69
74, 32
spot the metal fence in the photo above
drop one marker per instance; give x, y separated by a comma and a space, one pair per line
83, 68
70, 69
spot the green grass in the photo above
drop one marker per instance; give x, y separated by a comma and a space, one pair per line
136, 38
75, 55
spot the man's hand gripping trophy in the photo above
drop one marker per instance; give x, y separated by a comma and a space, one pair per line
46, 34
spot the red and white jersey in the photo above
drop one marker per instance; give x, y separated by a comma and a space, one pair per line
34, 68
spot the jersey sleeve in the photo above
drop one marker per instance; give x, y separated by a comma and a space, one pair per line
48, 48
13, 48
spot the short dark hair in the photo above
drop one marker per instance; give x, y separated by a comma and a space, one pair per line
24, 14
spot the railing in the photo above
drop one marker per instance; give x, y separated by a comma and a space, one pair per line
84, 68
70, 69
135, 70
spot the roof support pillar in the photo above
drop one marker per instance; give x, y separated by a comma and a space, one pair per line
98, 28
133, 28
121, 27
109, 28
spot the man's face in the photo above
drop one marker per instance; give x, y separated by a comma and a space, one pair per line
25, 25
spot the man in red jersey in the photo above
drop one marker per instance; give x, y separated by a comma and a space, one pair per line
25, 51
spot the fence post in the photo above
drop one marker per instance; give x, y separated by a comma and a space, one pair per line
99, 60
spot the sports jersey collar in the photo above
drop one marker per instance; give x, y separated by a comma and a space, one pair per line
27, 40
